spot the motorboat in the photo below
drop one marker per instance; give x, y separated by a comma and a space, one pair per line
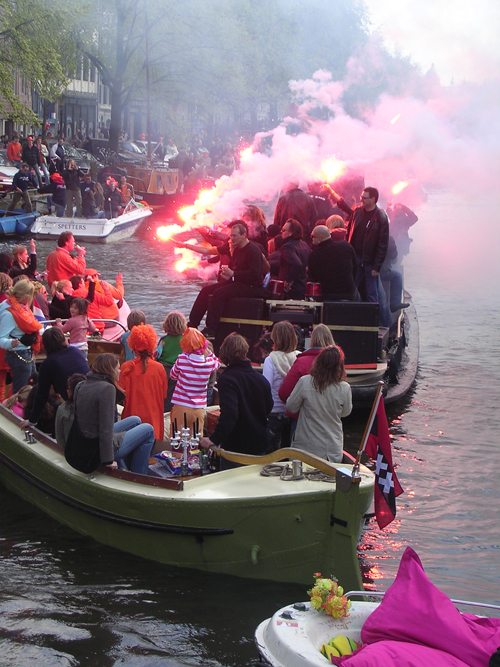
16, 223
413, 623
94, 229
238, 521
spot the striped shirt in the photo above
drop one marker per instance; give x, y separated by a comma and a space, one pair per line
192, 372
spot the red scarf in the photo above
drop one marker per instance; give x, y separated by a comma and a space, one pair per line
26, 321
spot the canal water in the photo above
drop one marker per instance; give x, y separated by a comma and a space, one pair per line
68, 601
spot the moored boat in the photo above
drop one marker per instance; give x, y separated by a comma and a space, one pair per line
414, 623
235, 522
17, 223
93, 229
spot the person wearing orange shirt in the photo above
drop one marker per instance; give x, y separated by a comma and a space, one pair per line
61, 265
108, 311
15, 151
144, 380
126, 189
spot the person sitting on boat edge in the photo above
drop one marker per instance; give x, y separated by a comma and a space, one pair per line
245, 402
144, 381
191, 372
66, 411
323, 398
126, 443
241, 279
61, 265
20, 184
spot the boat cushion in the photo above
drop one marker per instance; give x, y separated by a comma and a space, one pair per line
415, 618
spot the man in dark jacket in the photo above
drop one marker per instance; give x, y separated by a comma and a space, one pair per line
297, 205
293, 260
31, 155
245, 402
242, 278
20, 184
333, 265
368, 233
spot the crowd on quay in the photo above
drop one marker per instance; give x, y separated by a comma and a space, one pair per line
71, 192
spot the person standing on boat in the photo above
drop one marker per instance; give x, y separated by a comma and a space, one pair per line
19, 333
88, 190
144, 381
113, 203
368, 233
57, 155
332, 264
24, 264
72, 177
31, 156
298, 205
245, 402
293, 260
322, 399
126, 190
61, 265
56, 191
191, 371
15, 151
20, 184
276, 367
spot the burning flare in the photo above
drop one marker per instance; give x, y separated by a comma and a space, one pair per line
165, 232
332, 169
401, 185
395, 119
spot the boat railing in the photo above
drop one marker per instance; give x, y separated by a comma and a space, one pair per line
380, 595
113, 322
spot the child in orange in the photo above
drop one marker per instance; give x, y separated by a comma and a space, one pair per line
144, 380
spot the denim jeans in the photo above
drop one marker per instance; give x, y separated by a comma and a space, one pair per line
371, 282
137, 444
22, 367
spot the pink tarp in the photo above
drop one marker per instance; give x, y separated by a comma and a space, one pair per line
417, 625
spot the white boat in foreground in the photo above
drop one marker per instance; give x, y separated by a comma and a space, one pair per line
414, 624
90, 229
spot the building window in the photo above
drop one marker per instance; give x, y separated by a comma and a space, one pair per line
85, 72
92, 73
78, 74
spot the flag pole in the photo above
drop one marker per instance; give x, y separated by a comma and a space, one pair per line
371, 419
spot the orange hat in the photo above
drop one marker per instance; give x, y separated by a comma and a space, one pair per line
192, 341
91, 272
143, 337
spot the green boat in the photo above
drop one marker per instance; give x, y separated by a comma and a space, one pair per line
235, 522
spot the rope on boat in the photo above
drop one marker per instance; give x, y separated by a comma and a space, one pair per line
285, 473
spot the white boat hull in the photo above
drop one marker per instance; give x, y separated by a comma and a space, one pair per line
92, 230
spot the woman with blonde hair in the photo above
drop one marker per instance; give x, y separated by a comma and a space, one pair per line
323, 398
276, 366
127, 443
22, 263
19, 333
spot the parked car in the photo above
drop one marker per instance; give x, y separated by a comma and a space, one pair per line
84, 160
7, 171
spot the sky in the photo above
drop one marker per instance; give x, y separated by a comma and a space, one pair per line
459, 38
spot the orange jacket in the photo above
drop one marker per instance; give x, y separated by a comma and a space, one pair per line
62, 266
14, 151
145, 393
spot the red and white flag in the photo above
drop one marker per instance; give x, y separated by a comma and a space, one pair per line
387, 486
